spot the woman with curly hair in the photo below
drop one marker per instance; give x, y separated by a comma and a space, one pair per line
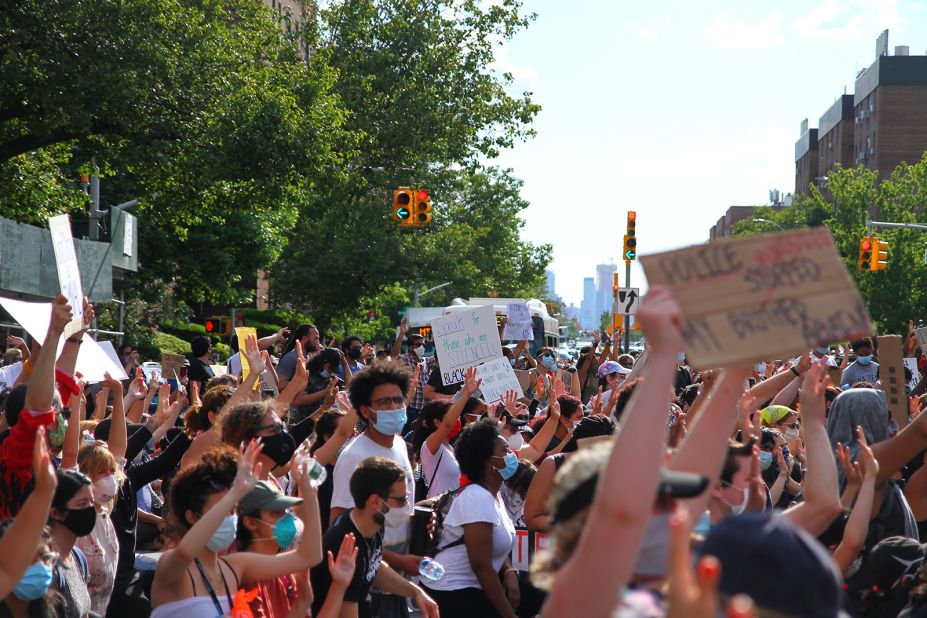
249, 421
202, 502
200, 422
478, 533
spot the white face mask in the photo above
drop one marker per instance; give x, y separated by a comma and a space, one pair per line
790, 434
104, 489
396, 517
420, 350
737, 509
516, 441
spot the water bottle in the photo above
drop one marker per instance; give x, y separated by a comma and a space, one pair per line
313, 469
429, 569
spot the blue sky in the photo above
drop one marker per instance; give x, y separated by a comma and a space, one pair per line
676, 110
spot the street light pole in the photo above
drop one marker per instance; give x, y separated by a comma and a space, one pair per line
759, 220
417, 294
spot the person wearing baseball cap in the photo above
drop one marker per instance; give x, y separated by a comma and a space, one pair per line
266, 526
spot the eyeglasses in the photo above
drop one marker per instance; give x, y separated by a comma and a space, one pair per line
382, 402
794, 425
401, 500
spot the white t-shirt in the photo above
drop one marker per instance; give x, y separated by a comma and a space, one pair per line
357, 451
10, 373
473, 504
448, 475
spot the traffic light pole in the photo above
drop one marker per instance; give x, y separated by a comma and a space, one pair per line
906, 226
627, 318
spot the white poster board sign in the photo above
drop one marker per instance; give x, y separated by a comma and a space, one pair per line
128, 226
498, 378
518, 326
68, 271
921, 334
911, 363
92, 360
465, 339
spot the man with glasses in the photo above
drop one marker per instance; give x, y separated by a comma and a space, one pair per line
200, 361
378, 488
379, 395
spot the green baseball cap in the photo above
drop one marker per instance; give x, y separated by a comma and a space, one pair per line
265, 497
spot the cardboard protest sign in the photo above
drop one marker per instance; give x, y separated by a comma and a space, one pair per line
465, 339
498, 378
891, 377
68, 271
243, 332
92, 360
172, 364
770, 296
921, 334
518, 327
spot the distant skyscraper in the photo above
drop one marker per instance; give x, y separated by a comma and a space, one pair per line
603, 299
587, 315
551, 290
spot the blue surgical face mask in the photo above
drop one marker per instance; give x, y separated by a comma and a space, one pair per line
34, 583
864, 360
390, 422
680, 358
224, 534
511, 466
512, 360
549, 361
822, 350
766, 459
325, 374
284, 531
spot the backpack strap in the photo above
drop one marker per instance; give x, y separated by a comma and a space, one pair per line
437, 465
81, 562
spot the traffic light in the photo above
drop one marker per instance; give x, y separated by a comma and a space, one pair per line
630, 237
212, 326
402, 206
879, 255
864, 261
422, 211
615, 285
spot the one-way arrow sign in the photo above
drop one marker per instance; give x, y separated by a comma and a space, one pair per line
627, 301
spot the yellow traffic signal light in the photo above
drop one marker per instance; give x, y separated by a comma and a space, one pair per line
630, 237
879, 255
402, 206
864, 260
421, 214
615, 285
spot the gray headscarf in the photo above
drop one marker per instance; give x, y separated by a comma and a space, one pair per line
864, 407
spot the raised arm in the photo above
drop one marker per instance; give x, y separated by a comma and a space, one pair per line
118, 433
71, 444
470, 386
767, 389
705, 446
895, 452
403, 329
822, 497
618, 518
538, 444
300, 379
328, 452
854, 535
41, 389
18, 544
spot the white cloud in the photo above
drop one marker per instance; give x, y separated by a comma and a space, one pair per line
850, 20
525, 77
642, 31
729, 33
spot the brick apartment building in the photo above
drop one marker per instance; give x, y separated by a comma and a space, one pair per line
879, 126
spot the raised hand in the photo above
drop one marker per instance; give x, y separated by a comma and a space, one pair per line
404, 326
597, 403
596, 336
16, 342
804, 363
510, 401
413, 383
342, 568
61, 314
343, 401
812, 393
870, 465
43, 472
281, 335
851, 470
757, 496
661, 319
249, 469
253, 355
471, 383
914, 407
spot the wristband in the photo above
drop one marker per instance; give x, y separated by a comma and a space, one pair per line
74, 341
511, 570
795, 371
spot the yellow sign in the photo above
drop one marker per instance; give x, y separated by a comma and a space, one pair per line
242, 332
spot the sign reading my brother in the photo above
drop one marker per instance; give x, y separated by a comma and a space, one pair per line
761, 297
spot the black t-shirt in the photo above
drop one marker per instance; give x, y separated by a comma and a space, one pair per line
435, 380
199, 372
370, 552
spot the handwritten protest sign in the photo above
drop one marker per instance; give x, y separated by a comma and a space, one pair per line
68, 271
891, 377
172, 364
771, 296
518, 327
911, 364
465, 339
498, 378
527, 544
921, 334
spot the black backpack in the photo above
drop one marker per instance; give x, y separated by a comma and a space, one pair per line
422, 542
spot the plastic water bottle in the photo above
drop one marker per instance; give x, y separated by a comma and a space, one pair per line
313, 469
429, 569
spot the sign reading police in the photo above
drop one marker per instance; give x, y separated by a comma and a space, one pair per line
465, 339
